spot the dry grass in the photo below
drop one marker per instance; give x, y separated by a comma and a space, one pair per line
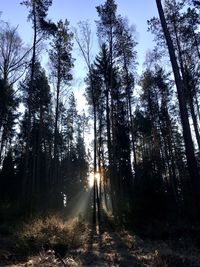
47, 259
52, 232
158, 253
53, 241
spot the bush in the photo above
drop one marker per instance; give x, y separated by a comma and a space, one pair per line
52, 233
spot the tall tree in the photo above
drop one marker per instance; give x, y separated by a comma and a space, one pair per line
126, 58
37, 14
61, 63
191, 160
84, 41
41, 108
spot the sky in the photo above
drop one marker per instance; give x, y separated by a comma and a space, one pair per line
137, 12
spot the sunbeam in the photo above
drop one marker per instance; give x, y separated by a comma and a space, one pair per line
79, 204
91, 178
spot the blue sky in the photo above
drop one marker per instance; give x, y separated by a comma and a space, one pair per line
137, 12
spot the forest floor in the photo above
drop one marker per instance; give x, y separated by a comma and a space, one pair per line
66, 241
74, 243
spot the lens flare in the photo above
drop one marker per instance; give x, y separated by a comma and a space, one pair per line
91, 179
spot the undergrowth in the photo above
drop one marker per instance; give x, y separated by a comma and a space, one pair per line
51, 240
51, 232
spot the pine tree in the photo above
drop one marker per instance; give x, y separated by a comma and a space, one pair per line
191, 160
61, 64
37, 14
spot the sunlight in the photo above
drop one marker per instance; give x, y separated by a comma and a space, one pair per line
78, 205
91, 179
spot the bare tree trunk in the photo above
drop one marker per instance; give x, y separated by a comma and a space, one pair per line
56, 132
94, 201
130, 116
95, 160
194, 119
100, 148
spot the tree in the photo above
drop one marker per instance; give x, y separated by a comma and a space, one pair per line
12, 65
105, 31
126, 58
74, 165
37, 14
40, 104
8, 114
13, 57
183, 25
61, 64
84, 43
191, 160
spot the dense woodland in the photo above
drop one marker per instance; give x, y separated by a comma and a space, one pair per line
146, 134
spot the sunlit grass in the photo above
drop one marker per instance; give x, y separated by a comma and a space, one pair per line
53, 232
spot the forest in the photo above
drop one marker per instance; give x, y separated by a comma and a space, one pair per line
118, 184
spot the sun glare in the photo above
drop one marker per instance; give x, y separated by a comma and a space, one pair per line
91, 178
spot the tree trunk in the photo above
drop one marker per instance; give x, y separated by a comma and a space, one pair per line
186, 84
26, 192
194, 119
189, 147
95, 160
55, 168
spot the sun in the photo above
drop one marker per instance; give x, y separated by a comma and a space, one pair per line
91, 179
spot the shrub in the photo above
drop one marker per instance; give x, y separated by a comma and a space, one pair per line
52, 233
